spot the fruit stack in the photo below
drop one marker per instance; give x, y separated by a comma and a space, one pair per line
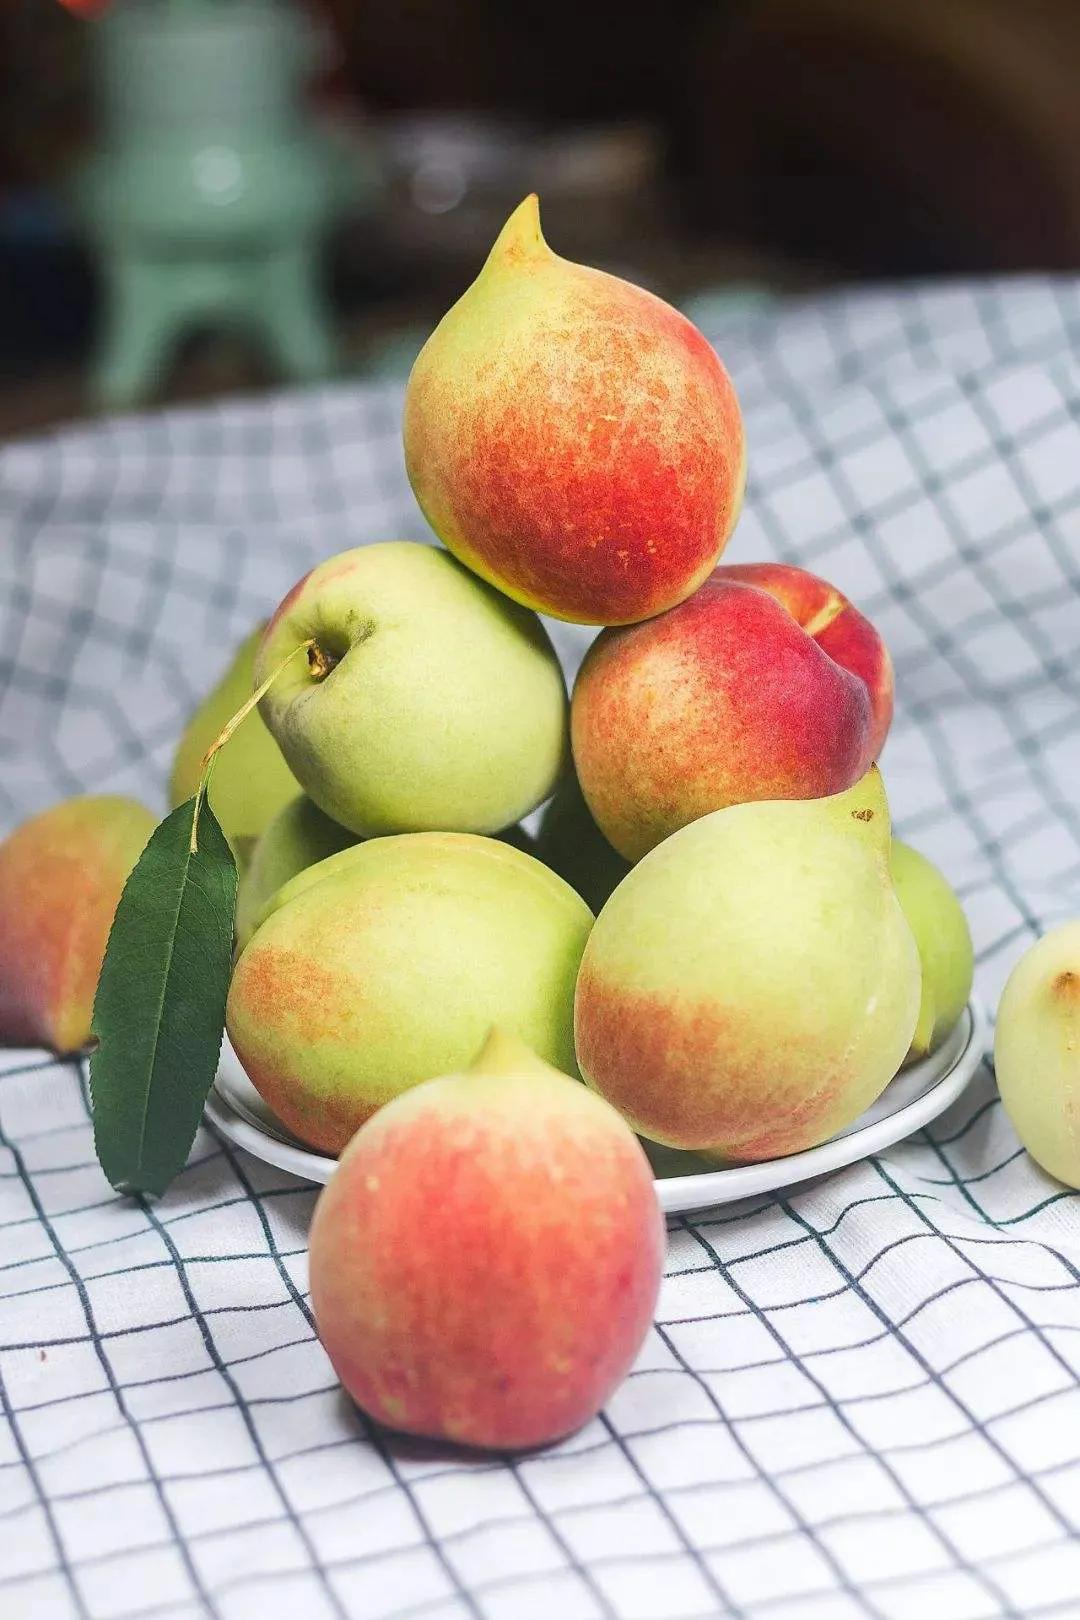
752, 984
765, 958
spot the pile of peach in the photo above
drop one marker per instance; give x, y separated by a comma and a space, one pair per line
486, 1259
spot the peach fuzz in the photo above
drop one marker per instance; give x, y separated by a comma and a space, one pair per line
61, 877
572, 438
486, 1259
765, 684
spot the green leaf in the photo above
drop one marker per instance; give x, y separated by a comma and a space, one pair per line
160, 1007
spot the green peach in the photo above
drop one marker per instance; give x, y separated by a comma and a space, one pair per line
298, 837
752, 985
388, 963
1037, 1051
428, 701
946, 955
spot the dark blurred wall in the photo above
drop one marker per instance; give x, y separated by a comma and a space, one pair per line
850, 137
891, 138
594, 59
867, 136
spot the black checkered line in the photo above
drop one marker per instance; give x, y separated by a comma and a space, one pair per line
860, 1396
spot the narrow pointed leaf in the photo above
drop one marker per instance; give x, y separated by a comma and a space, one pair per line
160, 1007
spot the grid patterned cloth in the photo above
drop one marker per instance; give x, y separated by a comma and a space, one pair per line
860, 1397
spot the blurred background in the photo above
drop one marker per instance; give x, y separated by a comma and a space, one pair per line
199, 197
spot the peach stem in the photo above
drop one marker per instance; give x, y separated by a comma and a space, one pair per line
227, 730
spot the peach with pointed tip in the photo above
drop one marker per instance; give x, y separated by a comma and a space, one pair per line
486, 1259
752, 985
765, 684
61, 877
573, 438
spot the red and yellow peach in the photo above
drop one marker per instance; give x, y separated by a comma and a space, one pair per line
572, 438
388, 962
765, 684
486, 1259
61, 877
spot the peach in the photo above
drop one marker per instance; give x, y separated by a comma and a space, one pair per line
1037, 1051
428, 702
61, 877
388, 962
485, 1261
572, 438
946, 952
753, 985
298, 837
765, 684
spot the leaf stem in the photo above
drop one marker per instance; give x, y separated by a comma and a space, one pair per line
227, 730
200, 794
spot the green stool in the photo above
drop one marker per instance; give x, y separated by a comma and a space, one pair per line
210, 195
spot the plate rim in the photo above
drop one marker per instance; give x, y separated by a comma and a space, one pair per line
702, 1190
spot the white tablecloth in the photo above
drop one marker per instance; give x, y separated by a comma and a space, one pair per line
860, 1398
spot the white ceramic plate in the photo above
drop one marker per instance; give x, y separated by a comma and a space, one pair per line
913, 1099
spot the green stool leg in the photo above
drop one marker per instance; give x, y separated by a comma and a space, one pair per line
291, 314
140, 327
